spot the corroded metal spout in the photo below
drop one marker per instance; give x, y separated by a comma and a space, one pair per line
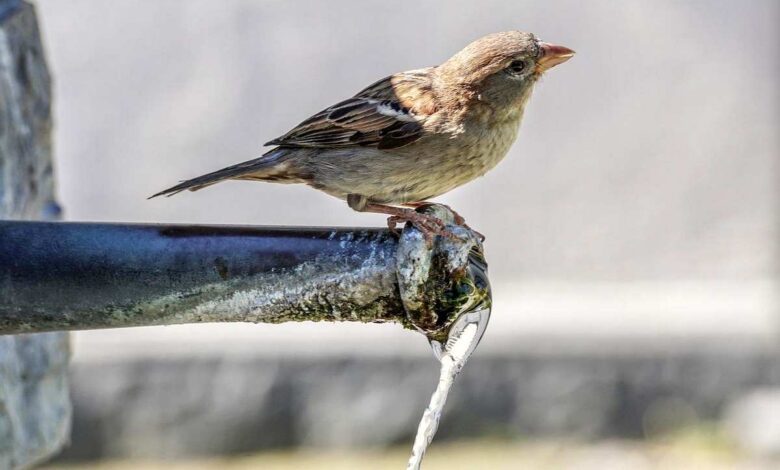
440, 282
72, 276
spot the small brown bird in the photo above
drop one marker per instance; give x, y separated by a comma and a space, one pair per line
411, 136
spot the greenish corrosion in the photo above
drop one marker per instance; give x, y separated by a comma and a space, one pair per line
327, 290
440, 282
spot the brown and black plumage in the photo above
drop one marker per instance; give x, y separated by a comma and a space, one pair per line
411, 136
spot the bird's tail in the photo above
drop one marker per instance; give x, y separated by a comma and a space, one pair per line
270, 167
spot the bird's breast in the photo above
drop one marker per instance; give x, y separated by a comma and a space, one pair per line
461, 158
490, 145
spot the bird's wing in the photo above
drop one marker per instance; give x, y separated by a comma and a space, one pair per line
388, 114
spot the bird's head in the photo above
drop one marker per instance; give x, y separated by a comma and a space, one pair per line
501, 68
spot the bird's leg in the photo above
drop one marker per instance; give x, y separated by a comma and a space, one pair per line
427, 224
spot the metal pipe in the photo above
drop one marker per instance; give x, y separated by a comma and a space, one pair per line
65, 276
72, 276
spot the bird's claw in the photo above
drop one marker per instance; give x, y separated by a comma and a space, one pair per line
457, 218
478, 234
428, 225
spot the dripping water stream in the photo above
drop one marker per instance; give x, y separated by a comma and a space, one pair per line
463, 338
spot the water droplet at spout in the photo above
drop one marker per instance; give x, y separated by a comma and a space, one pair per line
463, 338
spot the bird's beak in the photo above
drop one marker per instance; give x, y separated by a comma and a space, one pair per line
553, 55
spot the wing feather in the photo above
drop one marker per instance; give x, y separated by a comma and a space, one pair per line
387, 114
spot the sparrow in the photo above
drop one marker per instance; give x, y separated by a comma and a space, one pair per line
411, 136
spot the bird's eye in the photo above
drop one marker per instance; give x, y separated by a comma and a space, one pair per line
516, 67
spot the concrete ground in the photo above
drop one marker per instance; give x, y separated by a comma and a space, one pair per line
694, 450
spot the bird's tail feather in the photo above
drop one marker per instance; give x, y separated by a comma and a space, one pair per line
268, 167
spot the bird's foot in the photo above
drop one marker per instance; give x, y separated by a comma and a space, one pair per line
428, 225
458, 219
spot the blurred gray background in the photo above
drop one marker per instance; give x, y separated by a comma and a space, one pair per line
639, 206
652, 155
